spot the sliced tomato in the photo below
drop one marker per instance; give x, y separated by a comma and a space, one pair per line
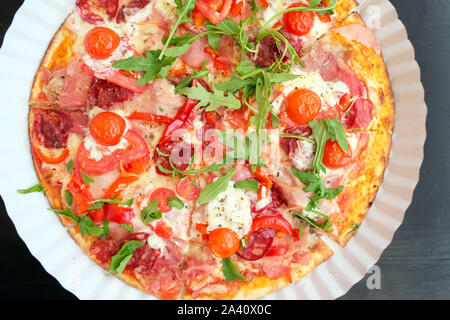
224, 242
119, 185
299, 23
187, 189
107, 128
265, 3
202, 228
209, 9
162, 195
144, 116
163, 230
136, 149
344, 102
273, 222
236, 7
276, 251
139, 166
126, 82
302, 105
101, 42
51, 158
119, 214
198, 18
334, 157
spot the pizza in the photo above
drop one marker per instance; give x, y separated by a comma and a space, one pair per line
206, 149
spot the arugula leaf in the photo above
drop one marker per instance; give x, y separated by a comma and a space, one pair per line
353, 228
323, 131
217, 187
186, 81
230, 271
35, 188
314, 183
68, 213
121, 259
69, 197
86, 178
97, 204
212, 100
247, 184
70, 166
326, 226
151, 212
127, 227
153, 67
175, 202
86, 225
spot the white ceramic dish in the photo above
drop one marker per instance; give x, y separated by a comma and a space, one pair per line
25, 44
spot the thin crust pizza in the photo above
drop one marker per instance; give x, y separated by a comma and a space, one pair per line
203, 149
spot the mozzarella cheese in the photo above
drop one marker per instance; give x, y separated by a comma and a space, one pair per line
231, 209
329, 92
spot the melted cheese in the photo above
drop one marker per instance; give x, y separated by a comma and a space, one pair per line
231, 209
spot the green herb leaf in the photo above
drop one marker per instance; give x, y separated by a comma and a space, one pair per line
121, 259
97, 204
217, 187
70, 166
35, 188
87, 179
326, 226
69, 198
127, 227
212, 100
247, 184
151, 212
175, 202
230, 271
68, 213
186, 81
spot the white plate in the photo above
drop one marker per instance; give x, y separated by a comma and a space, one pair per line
24, 46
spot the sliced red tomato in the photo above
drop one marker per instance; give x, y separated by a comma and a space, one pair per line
334, 157
136, 149
119, 185
144, 116
162, 195
119, 214
299, 23
302, 105
52, 158
198, 18
107, 128
101, 42
224, 242
276, 251
139, 166
126, 82
210, 9
81, 195
163, 230
344, 102
187, 190
273, 222
236, 7
202, 228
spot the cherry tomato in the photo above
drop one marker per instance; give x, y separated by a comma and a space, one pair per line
107, 128
187, 190
299, 23
334, 157
162, 195
302, 105
101, 42
224, 242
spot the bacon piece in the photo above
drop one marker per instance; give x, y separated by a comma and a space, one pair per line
359, 115
258, 244
76, 87
52, 127
104, 94
360, 33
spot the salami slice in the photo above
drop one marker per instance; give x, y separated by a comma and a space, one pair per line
132, 7
258, 244
92, 11
52, 128
104, 94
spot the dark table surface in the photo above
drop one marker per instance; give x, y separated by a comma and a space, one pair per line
416, 265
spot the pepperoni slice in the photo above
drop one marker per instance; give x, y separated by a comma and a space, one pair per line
52, 127
259, 243
92, 11
132, 6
